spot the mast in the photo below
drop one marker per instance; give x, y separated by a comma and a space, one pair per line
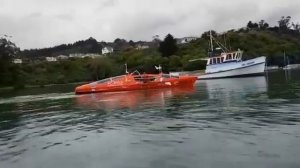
211, 43
284, 62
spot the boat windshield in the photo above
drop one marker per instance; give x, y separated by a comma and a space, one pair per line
108, 79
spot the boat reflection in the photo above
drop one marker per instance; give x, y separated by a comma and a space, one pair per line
229, 91
132, 99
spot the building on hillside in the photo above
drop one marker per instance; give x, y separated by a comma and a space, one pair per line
185, 40
51, 59
141, 46
92, 55
17, 61
62, 57
76, 55
107, 50
82, 55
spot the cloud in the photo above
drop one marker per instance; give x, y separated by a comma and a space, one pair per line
45, 23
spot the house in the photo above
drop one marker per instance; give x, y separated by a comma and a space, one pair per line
185, 40
76, 55
62, 57
107, 50
92, 55
51, 59
82, 55
17, 61
141, 46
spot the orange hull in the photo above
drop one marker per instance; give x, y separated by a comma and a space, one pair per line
132, 99
136, 82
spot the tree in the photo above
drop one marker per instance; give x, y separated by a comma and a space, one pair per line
7, 50
263, 25
252, 25
255, 25
206, 35
284, 23
296, 27
131, 43
168, 47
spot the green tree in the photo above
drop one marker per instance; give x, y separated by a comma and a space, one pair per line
7, 51
168, 47
263, 25
284, 23
296, 27
250, 25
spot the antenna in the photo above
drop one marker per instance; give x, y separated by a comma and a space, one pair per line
126, 68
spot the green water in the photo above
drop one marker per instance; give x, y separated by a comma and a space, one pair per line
242, 122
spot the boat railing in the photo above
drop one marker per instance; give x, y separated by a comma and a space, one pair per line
135, 72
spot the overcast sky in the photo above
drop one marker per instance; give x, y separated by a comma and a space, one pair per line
45, 23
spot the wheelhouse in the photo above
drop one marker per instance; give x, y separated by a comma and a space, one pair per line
225, 58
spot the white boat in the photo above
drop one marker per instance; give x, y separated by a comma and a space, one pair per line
230, 64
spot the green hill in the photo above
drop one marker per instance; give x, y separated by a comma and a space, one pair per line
256, 39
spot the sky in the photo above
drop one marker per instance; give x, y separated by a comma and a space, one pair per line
46, 23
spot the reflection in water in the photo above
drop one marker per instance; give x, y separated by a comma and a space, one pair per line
240, 85
233, 88
131, 99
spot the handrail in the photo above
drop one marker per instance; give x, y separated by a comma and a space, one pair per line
136, 71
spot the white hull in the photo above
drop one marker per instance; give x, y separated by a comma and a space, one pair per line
235, 69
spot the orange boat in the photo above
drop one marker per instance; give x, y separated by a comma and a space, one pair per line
136, 81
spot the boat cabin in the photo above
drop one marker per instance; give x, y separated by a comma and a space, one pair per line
225, 58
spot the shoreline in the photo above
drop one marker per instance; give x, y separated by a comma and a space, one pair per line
41, 86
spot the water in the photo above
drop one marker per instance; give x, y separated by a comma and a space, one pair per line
243, 122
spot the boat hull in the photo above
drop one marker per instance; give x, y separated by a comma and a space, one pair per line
130, 82
253, 67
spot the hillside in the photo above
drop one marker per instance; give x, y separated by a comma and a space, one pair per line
255, 40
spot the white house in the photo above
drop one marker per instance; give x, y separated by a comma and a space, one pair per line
107, 50
51, 59
76, 55
185, 40
62, 57
81, 55
17, 61
141, 46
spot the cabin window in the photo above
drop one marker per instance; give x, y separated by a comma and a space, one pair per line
222, 59
218, 60
229, 56
210, 61
214, 60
